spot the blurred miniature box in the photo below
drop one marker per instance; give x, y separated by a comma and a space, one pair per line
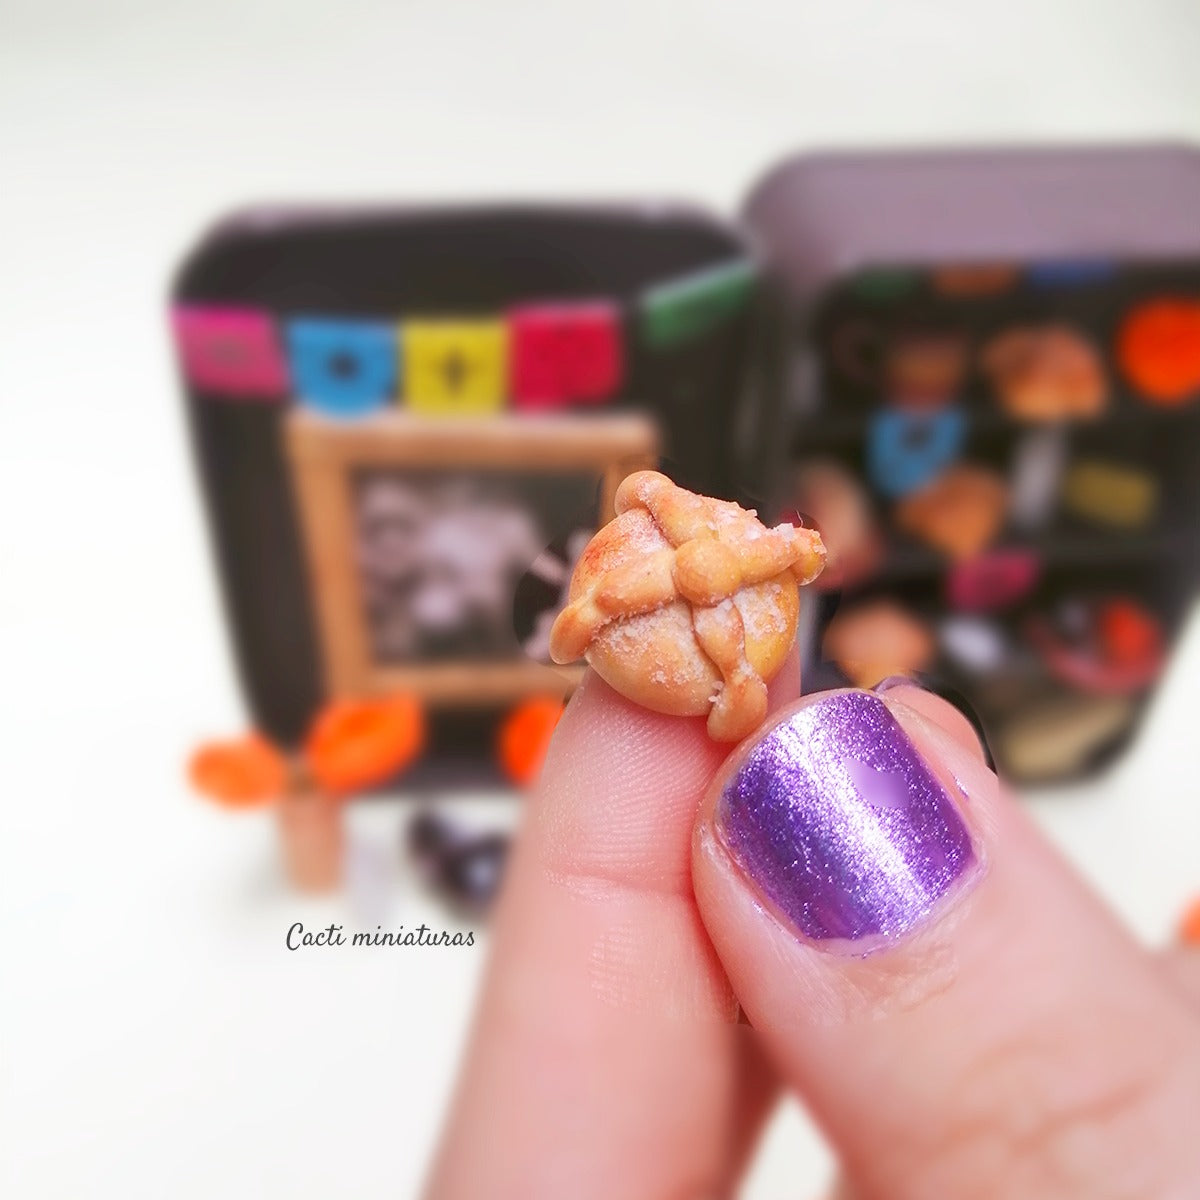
990, 362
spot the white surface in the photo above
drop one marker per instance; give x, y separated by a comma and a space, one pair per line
157, 1036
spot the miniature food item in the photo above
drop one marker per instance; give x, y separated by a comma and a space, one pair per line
875, 640
959, 513
1046, 373
918, 367
925, 370
687, 605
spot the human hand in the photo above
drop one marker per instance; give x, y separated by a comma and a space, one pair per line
958, 1012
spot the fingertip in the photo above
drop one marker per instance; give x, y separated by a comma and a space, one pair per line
618, 791
943, 706
601, 728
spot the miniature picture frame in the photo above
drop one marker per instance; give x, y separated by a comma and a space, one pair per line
432, 466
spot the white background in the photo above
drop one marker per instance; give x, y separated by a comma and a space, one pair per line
157, 1038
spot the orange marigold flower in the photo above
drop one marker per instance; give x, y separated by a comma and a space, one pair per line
244, 773
1189, 927
358, 744
525, 735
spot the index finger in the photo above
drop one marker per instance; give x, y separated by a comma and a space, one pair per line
605, 1058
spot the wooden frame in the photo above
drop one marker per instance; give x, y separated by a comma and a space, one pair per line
323, 453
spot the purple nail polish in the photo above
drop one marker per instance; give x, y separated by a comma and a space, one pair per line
841, 824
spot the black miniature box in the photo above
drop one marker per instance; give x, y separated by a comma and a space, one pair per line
403, 418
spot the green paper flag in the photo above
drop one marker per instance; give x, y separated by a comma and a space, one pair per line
685, 308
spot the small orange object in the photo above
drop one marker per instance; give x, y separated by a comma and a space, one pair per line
1158, 348
525, 736
358, 744
974, 279
876, 639
958, 513
240, 774
1049, 372
1189, 926
1129, 635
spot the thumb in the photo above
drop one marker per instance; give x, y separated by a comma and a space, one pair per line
960, 1014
